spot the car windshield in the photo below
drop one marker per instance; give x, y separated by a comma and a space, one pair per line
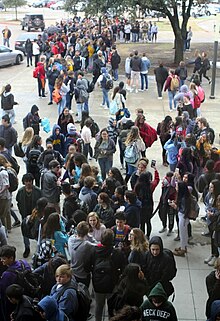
38, 16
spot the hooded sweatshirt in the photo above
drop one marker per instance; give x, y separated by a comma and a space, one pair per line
165, 311
89, 197
58, 140
50, 307
34, 119
7, 101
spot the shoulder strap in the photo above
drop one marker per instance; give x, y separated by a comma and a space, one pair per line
66, 287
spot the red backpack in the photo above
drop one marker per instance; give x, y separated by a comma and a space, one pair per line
36, 72
197, 101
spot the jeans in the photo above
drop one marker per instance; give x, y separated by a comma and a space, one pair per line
79, 108
41, 87
29, 59
6, 42
183, 230
182, 81
51, 89
61, 105
86, 106
131, 169
105, 98
11, 114
144, 79
26, 242
173, 167
171, 95
115, 74
100, 299
159, 89
105, 164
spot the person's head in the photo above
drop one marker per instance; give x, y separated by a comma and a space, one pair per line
120, 192
2, 143
14, 293
27, 136
54, 166
93, 220
49, 144
7, 254
104, 134
133, 273
182, 64
66, 188
130, 197
107, 238
7, 88
86, 170
66, 112
209, 166
121, 85
140, 119
53, 224
214, 188
34, 110
138, 240
103, 199
41, 204
88, 123
136, 53
120, 221
4, 162
27, 180
89, 182
115, 173
82, 229
157, 295
128, 313
156, 246
133, 135
63, 274
5, 120
202, 122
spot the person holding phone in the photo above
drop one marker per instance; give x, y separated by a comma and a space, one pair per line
144, 189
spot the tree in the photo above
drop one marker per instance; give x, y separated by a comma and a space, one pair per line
14, 4
171, 9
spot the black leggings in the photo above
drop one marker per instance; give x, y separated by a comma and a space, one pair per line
146, 215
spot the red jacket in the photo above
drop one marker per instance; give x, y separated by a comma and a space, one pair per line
41, 70
148, 134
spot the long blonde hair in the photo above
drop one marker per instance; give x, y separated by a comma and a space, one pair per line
133, 135
4, 162
139, 242
27, 136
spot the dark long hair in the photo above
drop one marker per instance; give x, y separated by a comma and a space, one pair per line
117, 175
52, 225
143, 188
184, 195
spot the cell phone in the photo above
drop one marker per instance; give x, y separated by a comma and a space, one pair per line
153, 163
177, 170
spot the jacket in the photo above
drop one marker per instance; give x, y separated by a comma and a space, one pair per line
160, 268
161, 74
63, 121
81, 253
89, 197
7, 101
53, 311
115, 60
70, 205
108, 152
41, 70
135, 63
58, 140
24, 310
105, 215
132, 214
49, 187
172, 151
52, 76
33, 119
145, 65
29, 47
165, 311
47, 156
20, 198
213, 289
9, 134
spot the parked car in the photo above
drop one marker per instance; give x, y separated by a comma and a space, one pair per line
33, 21
58, 5
38, 4
9, 56
20, 41
50, 3
203, 10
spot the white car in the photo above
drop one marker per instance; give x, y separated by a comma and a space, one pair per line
58, 6
10, 57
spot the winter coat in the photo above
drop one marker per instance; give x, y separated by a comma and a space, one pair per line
115, 60
7, 101
34, 120
135, 63
132, 214
50, 190
172, 149
213, 289
161, 74
89, 197
109, 151
105, 215
53, 312
29, 47
52, 76
20, 198
9, 134
58, 140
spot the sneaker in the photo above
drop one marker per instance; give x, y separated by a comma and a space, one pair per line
212, 261
141, 90
101, 105
208, 259
159, 98
163, 230
136, 91
169, 233
16, 224
105, 107
177, 238
50, 103
26, 252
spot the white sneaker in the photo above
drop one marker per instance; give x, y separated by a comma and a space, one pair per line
136, 91
131, 90
208, 259
105, 107
159, 98
212, 262
102, 105
140, 89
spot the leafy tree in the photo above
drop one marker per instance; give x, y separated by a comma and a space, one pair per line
14, 4
179, 23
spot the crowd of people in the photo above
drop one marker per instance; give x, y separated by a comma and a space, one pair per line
101, 237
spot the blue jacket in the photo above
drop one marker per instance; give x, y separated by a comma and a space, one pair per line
52, 312
132, 214
145, 64
172, 151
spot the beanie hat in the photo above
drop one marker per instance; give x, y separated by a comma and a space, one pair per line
71, 128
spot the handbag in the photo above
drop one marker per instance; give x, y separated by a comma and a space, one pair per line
18, 150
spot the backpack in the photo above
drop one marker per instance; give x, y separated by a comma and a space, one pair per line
197, 101
35, 73
84, 300
107, 82
211, 135
83, 95
94, 129
174, 84
131, 153
168, 286
33, 156
30, 282
13, 179
56, 96
25, 122
103, 274
194, 210
182, 74
28, 227
91, 86
18, 150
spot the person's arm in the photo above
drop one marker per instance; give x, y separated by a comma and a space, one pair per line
156, 180
68, 302
167, 84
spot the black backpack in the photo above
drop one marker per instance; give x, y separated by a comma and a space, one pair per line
103, 274
33, 156
94, 129
13, 179
107, 82
84, 300
30, 282
91, 86
26, 122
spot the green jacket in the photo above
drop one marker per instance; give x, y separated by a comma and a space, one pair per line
20, 198
165, 312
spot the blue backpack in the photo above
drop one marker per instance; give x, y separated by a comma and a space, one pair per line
131, 153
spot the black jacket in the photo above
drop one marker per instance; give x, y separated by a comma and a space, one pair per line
7, 101
9, 134
161, 74
213, 289
115, 60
